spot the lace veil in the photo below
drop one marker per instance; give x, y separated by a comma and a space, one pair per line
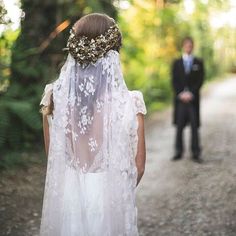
91, 173
92, 111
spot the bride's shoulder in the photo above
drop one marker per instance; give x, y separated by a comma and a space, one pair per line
46, 97
139, 102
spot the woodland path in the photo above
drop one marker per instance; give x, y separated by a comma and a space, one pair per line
186, 198
174, 198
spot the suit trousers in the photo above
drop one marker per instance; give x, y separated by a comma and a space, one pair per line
186, 113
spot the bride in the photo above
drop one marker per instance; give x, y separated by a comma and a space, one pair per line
94, 138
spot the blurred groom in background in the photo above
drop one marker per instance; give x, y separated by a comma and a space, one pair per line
187, 79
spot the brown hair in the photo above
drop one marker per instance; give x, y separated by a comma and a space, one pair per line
93, 25
90, 26
187, 39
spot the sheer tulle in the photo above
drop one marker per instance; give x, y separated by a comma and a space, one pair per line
91, 173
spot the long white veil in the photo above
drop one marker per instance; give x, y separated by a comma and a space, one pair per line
91, 175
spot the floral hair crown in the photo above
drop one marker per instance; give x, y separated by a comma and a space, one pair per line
86, 51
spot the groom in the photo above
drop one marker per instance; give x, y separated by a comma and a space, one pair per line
187, 79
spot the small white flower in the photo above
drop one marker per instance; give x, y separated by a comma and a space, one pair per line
74, 135
91, 79
68, 131
84, 109
90, 88
84, 120
82, 131
99, 105
81, 87
93, 144
78, 101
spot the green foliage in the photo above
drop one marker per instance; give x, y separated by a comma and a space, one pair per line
16, 159
3, 14
6, 41
19, 119
149, 50
11, 160
27, 65
153, 32
102, 6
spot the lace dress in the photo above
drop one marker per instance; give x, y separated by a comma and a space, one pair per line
91, 176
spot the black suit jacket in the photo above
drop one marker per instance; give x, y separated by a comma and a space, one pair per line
192, 82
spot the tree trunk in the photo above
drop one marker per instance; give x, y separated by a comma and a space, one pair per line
36, 58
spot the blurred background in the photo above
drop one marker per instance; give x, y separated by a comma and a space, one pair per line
32, 36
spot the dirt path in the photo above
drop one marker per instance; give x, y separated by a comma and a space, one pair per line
174, 199
185, 198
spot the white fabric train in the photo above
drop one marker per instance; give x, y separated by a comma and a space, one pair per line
91, 173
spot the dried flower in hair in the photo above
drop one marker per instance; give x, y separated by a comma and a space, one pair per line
86, 51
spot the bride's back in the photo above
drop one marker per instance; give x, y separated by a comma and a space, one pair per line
94, 138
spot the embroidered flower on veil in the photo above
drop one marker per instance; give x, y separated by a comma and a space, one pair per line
85, 120
93, 144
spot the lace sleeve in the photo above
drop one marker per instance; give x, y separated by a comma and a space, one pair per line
46, 95
139, 103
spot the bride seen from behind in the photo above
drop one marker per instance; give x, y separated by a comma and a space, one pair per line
94, 138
